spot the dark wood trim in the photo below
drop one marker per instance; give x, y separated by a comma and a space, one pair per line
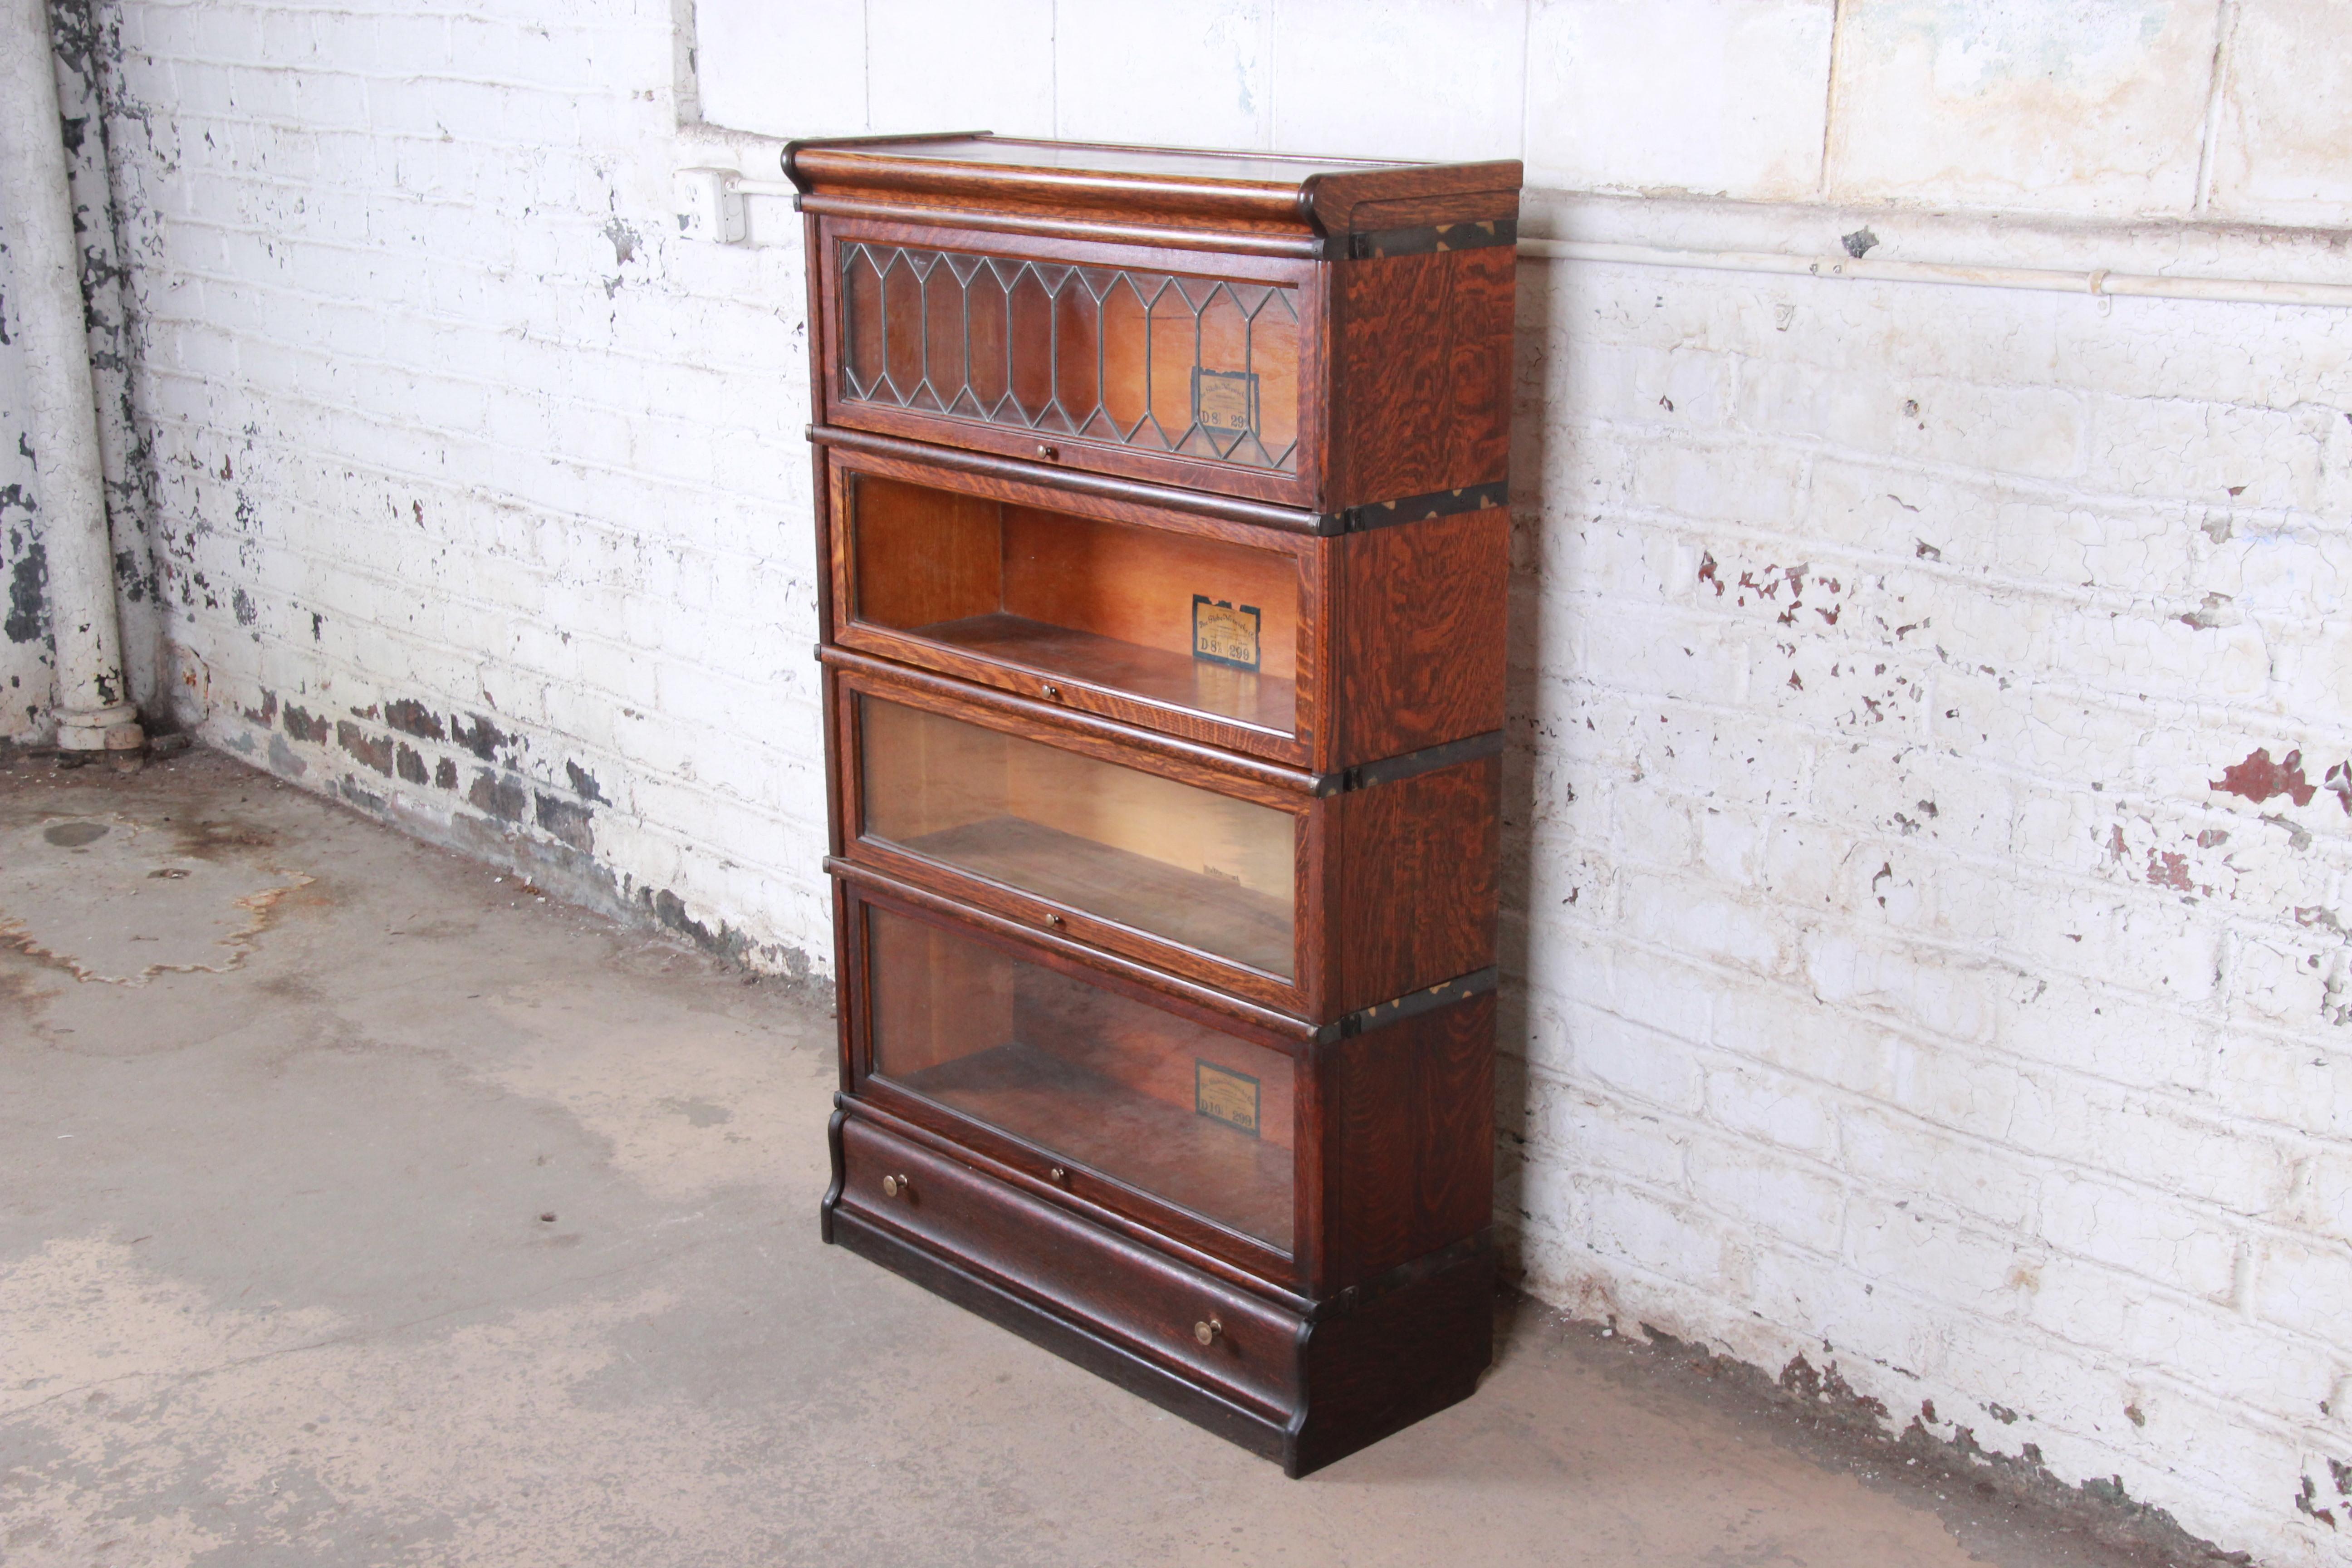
1267, 784
1072, 1340
1069, 482
1380, 1015
1272, 487
1152, 253
1203, 1003
1404, 1276
833, 1192
1330, 201
992, 187
790, 157
1372, 1374
1224, 242
1429, 759
1472, 235
1495, 494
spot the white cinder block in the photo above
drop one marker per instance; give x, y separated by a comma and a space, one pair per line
1183, 73
1768, 1192
2018, 104
805, 80
1400, 79
1774, 1107
2286, 115
2303, 1285
2196, 1254
1714, 97
961, 65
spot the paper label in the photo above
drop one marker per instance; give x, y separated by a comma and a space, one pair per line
1222, 1095
1224, 401
1225, 633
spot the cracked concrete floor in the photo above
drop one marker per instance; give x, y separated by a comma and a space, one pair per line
378, 1211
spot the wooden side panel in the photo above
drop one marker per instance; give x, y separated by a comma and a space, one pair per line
1409, 1151
1420, 364
1418, 634
1421, 212
924, 555
1414, 885
1405, 1356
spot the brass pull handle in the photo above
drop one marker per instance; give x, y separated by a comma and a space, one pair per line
1051, 692
1207, 1333
1055, 920
897, 1187
1061, 1177
1048, 453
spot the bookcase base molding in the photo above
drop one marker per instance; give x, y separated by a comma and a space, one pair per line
1298, 1384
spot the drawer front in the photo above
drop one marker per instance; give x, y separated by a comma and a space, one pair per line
1193, 626
1106, 1283
1192, 368
1194, 872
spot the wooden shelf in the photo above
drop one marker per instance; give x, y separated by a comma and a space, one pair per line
1193, 1161
1192, 908
1179, 680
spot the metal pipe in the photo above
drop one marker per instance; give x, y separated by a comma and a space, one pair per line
2245, 291
93, 711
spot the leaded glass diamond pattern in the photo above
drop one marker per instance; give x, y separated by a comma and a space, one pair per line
1204, 367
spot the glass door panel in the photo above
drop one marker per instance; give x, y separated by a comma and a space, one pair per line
1188, 865
1153, 362
1170, 1107
1175, 619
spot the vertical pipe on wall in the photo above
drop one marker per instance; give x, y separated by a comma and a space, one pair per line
93, 709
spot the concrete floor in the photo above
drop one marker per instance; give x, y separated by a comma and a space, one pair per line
408, 1217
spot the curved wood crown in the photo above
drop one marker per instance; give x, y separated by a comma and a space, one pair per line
1267, 194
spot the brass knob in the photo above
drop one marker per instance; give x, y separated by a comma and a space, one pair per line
1053, 693
1060, 1177
897, 1187
1048, 453
1207, 1333
1055, 920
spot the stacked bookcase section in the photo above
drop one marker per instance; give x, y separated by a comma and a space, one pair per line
1161, 497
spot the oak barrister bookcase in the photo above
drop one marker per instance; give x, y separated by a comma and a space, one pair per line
1162, 499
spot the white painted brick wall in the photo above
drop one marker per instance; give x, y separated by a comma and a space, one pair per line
1889, 985
1918, 1006
456, 442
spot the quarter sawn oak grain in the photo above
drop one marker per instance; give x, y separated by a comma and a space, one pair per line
1162, 501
